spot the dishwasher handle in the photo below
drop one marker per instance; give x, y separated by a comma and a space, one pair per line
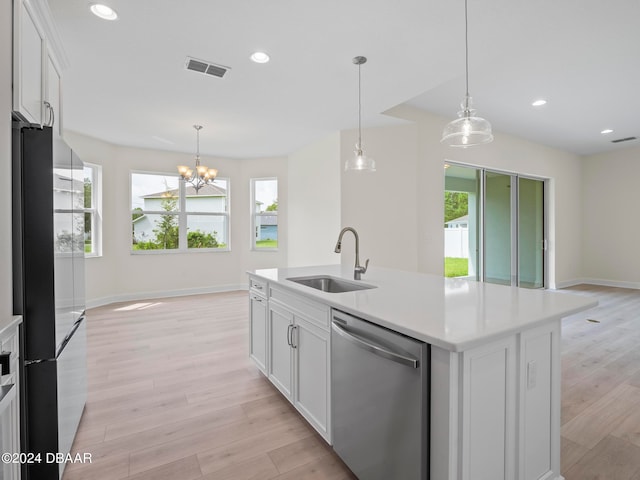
374, 348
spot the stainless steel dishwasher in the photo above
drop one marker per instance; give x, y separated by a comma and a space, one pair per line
379, 400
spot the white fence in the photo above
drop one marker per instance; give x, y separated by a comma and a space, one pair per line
456, 242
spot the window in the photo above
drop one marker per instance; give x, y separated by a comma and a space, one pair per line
92, 210
168, 214
264, 217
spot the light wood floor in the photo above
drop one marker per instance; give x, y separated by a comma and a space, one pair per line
172, 395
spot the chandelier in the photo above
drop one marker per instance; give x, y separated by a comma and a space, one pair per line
201, 175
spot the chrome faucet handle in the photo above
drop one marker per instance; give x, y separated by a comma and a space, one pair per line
359, 270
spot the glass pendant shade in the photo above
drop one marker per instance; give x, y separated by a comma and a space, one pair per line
467, 130
360, 161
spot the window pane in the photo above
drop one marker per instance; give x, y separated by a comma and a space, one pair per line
154, 231
88, 237
207, 231
151, 192
267, 231
266, 195
209, 199
88, 187
265, 198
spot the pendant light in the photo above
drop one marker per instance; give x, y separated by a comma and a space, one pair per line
200, 175
467, 130
360, 161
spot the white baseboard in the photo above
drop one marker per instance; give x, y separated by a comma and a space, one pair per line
611, 283
128, 297
598, 281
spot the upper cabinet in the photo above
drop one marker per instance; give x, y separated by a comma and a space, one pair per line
36, 65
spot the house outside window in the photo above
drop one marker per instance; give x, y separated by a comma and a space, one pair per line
264, 217
92, 210
168, 214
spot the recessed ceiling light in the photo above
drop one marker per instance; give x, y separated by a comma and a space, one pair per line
606, 130
260, 57
103, 11
539, 103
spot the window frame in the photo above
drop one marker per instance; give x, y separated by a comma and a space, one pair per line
182, 215
95, 211
254, 214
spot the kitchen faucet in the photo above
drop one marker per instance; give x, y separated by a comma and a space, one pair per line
358, 269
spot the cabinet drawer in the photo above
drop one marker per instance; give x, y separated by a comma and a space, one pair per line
257, 285
312, 311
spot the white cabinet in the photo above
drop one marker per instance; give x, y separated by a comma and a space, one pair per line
36, 72
28, 68
10, 401
258, 311
280, 348
312, 388
297, 352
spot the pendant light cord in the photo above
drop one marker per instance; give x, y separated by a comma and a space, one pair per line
360, 109
466, 51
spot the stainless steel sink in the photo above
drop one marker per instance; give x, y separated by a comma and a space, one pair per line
329, 284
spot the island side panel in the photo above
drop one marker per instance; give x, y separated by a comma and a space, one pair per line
540, 403
444, 414
488, 400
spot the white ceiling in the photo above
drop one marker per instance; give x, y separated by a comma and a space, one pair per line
126, 82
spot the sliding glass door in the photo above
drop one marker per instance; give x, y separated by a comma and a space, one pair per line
495, 222
498, 228
531, 239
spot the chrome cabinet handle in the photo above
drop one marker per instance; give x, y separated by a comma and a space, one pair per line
257, 299
378, 350
52, 116
289, 335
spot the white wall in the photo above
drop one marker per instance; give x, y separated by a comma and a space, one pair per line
6, 289
610, 215
314, 203
383, 206
120, 275
410, 178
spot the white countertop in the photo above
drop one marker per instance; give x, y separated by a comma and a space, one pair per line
451, 313
9, 322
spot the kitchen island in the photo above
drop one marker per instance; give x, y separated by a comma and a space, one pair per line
495, 360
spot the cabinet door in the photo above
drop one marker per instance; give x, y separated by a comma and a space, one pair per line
28, 64
312, 349
53, 114
280, 351
258, 331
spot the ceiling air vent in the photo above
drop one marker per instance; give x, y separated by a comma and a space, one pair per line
623, 139
207, 68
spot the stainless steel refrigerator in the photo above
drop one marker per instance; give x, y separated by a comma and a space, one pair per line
48, 256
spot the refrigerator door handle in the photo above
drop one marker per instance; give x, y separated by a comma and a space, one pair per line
67, 339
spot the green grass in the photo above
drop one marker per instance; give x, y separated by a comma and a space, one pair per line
268, 243
456, 267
